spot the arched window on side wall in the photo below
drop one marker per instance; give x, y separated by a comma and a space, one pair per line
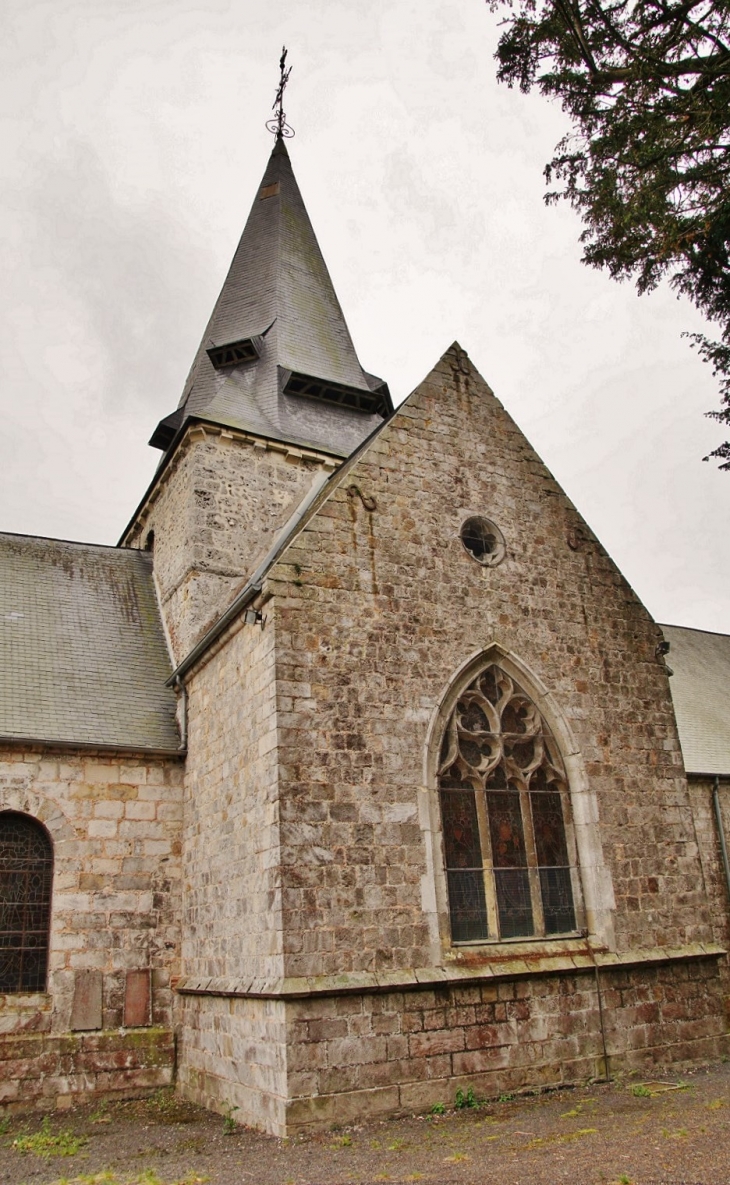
504, 809
26, 875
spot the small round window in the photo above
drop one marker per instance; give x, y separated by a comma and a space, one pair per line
484, 542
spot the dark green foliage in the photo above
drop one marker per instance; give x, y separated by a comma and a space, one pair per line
647, 163
465, 1100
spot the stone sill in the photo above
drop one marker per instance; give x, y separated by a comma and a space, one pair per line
35, 1000
361, 982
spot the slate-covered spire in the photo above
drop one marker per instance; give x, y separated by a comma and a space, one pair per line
277, 358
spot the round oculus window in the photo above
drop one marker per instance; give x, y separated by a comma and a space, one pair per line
483, 540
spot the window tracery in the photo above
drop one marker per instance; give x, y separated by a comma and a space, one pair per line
26, 873
504, 807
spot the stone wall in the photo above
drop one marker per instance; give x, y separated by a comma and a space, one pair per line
356, 1057
712, 867
47, 1070
214, 512
233, 1054
298, 1054
232, 897
377, 607
114, 821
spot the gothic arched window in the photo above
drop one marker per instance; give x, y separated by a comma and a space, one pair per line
504, 805
26, 873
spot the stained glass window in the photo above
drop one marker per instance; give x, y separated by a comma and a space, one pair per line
26, 872
504, 805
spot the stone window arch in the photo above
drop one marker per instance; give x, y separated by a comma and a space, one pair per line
26, 875
506, 823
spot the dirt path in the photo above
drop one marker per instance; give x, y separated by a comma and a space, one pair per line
677, 1133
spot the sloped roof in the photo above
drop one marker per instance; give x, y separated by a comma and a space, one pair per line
701, 694
83, 657
278, 291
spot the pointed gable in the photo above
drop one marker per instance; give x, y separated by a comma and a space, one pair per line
277, 357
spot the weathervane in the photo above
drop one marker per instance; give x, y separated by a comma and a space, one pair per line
278, 125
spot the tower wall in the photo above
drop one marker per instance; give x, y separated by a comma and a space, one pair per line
214, 512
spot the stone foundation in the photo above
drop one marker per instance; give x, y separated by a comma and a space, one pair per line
233, 1053
363, 1055
47, 1070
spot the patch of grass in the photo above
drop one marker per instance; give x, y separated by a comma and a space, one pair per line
438, 1109
4, 1125
163, 1100
572, 1114
146, 1177
716, 1104
641, 1092
192, 1144
45, 1143
101, 1114
505, 1098
342, 1142
457, 1156
566, 1138
229, 1123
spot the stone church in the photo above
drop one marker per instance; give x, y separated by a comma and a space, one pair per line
354, 775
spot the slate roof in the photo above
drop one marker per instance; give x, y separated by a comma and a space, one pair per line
83, 657
278, 291
701, 693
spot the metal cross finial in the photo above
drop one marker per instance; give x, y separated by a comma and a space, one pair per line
278, 126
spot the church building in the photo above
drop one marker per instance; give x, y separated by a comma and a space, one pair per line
356, 774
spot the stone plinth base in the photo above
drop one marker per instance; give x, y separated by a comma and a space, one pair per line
316, 1059
45, 1070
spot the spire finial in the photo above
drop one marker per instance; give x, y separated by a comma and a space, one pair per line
278, 125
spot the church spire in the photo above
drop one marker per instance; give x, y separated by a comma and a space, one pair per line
277, 358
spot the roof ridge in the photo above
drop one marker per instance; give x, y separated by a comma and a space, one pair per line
118, 547
692, 629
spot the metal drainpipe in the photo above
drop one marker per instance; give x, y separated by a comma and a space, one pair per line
721, 831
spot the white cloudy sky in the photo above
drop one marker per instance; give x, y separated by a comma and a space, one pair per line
132, 145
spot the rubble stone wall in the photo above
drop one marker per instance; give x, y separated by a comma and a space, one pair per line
378, 606
115, 823
215, 512
708, 839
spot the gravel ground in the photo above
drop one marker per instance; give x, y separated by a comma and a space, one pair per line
669, 1132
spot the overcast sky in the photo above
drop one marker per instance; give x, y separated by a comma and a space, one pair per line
133, 142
